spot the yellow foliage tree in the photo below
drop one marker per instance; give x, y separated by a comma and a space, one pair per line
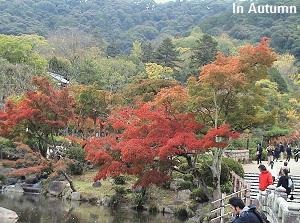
156, 71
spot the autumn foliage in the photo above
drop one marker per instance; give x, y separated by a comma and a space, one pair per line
38, 114
145, 142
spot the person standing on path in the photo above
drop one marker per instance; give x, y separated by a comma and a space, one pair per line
288, 152
270, 150
296, 153
281, 148
284, 167
276, 153
284, 182
265, 178
259, 153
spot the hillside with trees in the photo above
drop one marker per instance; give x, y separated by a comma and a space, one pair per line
283, 29
116, 21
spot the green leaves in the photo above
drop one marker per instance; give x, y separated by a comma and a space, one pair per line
23, 50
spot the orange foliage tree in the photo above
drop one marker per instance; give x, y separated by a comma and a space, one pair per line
224, 87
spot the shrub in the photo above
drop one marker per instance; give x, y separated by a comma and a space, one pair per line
199, 195
226, 187
120, 180
206, 174
188, 177
76, 153
75, 168
252, 153
234, 166
121, 190
183, 185
153, 209
237, 143
4, 142
115, 200
140, 198
2, 177
182, 214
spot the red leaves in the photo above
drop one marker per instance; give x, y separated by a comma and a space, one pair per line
111, 169
145, 142
41, 110
228, 72
209, 140
143, 136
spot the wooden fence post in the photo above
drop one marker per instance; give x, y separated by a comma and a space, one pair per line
222, 207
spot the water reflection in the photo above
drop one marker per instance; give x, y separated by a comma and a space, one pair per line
37, 209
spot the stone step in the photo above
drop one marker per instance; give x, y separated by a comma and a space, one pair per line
253, 180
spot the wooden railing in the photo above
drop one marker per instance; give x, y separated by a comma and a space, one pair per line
240, 189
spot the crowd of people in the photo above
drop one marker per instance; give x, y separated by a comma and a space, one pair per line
279, 152
274, 153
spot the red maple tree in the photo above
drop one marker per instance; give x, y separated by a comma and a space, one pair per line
38, 114
145, 141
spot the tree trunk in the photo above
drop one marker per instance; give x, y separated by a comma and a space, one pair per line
216, 172
217, 158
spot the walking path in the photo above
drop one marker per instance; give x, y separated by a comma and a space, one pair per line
252, 171
294, 167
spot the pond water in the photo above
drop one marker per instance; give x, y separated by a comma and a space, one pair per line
37, 209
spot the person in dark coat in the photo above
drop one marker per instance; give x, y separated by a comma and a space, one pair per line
284, 181
296, 153
259, 153
276, 153
281, 148
288, 152
242, 213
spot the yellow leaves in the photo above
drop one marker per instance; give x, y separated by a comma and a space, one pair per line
267, 85
285, 64
295, 78
292, 114
183, 50
156, 71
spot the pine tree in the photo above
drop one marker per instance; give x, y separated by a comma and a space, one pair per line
147, 53
166, 54
205, 52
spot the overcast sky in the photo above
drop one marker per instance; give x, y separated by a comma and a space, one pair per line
162, 1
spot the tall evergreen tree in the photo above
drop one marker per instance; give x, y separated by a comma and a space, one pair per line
147, 53
113, 50
166, 54
205, 52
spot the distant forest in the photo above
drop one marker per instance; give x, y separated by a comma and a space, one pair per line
283, 29
116, 21
120, 22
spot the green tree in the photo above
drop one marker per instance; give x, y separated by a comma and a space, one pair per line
147, 53
205, 52
14, 79
59, 66
166, 54
136, 52
23, 50
113, 50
